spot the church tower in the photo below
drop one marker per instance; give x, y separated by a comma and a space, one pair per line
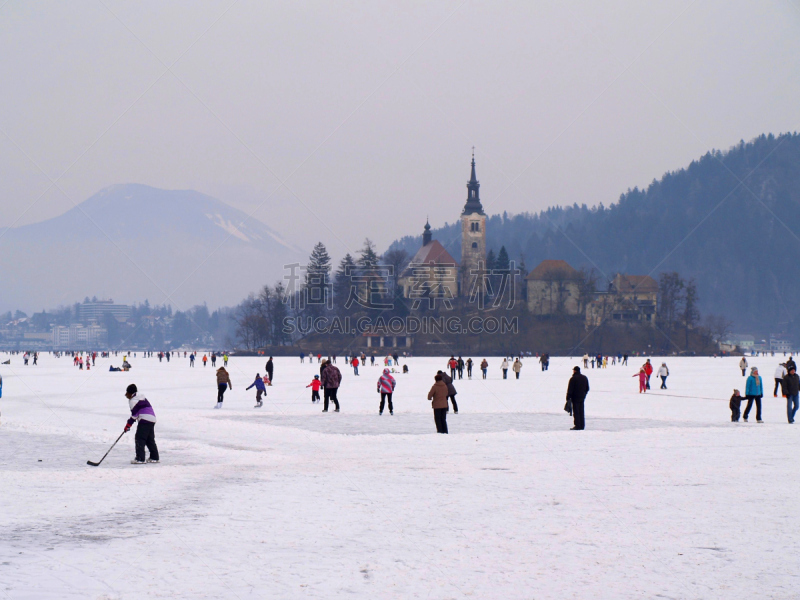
473, 234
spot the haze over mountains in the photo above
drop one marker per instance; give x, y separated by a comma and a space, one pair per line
133, 242
731, 220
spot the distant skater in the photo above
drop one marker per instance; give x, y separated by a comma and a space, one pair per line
663, 373
331, 379
504, 367
270, 368
780, 373
642, 375
438, 396
260, 389
791, 389
484, 368
386, 384
223, 384
743, 365
516, 367
753, 391
469, 368
315, 385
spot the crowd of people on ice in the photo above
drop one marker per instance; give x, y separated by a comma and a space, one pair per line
442, 393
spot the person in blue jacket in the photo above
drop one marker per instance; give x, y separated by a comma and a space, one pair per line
754, 390
260, 389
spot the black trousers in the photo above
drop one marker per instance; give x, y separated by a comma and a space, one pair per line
221, 391
315, 395
460, 373
259, 393
330, 394
469, 372
505, 373
750, 405
736, 411
452, 373
577, 414
778, 382
145, 436
517, 373
453, 400
440, 418
384, 397
270, 374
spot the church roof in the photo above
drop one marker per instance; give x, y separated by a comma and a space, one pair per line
473, 204
554, 269
432, 253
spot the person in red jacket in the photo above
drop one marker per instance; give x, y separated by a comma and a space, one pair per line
354, 364
648, 369
315, 385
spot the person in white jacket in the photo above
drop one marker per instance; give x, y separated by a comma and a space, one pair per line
780, 373
743, 365
504, 366
663, 372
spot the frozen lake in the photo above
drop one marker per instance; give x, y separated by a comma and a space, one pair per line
662, 496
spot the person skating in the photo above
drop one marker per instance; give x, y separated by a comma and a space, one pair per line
577, 389
484, 368
386, 385
663, 372
516, 367
213, 360
753, 391
191, 359
544, 360
648, 368
315, 385
452, 364
438, 395
331, 378
223, 383
780, 373
642, 375
459, 367
354, 364
225, 360
625, 359
504, 367
791, 389
142, 413
451, 390
270, 368
205, 360
469, 368
260, 389
791, 363
736, 406
743, 365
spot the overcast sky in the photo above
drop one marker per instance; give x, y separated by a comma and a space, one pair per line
367, 111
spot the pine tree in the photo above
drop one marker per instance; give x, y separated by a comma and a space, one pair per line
503, 263
343, 280
491, 261
318, 279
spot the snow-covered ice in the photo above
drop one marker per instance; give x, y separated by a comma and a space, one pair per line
661, 497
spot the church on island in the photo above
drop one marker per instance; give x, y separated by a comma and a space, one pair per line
433, 272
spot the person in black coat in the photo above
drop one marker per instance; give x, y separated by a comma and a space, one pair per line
576, 395
269, 368
451, 389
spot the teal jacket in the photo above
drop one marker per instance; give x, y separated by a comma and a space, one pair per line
754, 387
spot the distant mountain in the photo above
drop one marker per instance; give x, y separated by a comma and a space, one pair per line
133, 242
731, 220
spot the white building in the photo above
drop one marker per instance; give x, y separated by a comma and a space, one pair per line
95, 312
78, 337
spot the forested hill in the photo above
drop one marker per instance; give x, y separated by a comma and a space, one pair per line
731, 220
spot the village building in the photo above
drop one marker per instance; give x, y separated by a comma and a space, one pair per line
628, 299
554, 288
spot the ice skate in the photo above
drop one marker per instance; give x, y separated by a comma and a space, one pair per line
152, 460
219, 405
136, 461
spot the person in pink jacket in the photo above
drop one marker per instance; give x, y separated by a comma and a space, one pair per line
642, 375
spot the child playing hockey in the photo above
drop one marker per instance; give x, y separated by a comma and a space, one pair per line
260, 389
315, 385
736, 406
143, 412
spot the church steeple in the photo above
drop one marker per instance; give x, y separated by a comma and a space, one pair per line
426, 235
473, 204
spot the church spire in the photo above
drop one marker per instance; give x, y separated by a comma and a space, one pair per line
427, 236
473, 204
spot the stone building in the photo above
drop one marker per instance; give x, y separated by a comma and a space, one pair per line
554, 288
628, 299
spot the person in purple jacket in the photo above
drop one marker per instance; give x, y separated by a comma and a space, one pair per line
143, 412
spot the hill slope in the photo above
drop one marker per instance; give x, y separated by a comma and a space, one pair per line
133, 242
730, 219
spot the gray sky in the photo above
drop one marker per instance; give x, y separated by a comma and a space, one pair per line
371, 109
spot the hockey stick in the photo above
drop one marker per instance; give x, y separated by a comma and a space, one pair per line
97, 464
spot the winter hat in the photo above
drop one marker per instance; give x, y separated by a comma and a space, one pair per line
386, 371
131, 389
754, 369
316, 376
